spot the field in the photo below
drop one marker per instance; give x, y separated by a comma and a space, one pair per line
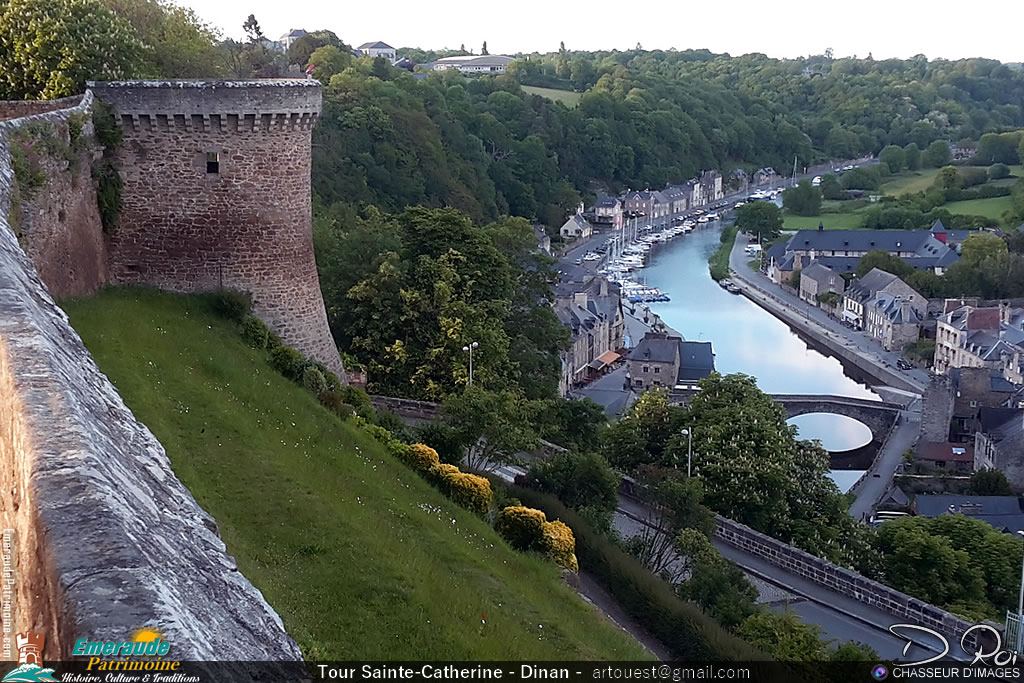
831, 221
362, 559
566, 97
990, 208
910, 182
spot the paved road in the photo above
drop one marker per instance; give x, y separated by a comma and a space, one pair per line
883, 469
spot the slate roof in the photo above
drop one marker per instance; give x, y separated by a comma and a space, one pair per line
675, 192
1000, 423
606, 202
874, 280
376, 45
821, 274
577, 221
656, 348
696, 360
922, 242
294, 33
892, 308
1002, 512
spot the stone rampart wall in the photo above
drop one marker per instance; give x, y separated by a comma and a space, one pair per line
105, 538
16, 109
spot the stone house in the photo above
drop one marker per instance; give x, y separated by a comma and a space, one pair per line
377, 49
577, 227
816, 280
638, 203
877, 281
920, 249
954, 457
610, 211
763, 176
999, 442
972, 336
589, 334
974, 389
664, 360
711, 186
892, 321
678, 197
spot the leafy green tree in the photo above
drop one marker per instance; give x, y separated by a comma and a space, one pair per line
784, 637
584, 482
854, 652
894, 157
176, 42
493, 424
883, 260
327, 61
763, 219
983, 248
50, 48
861, 178
830, 187
948, 178
569, 423
936, 155
302, 48
802, 200
998, 148
640, 437
998, 171
912, 156
716, 584
989, 482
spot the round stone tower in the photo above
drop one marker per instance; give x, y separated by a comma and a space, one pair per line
217, 194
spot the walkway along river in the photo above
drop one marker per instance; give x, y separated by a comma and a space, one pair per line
748, 339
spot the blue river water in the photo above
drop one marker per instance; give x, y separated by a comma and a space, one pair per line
748, 339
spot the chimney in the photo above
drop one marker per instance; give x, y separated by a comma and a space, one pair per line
1004, 312
604, 287
580, 299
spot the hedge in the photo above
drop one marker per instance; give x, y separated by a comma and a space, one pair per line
529, 529
686, 631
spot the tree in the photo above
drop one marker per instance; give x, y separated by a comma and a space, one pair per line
894, 157
936, 155
763, 219
492, 423
570, 424
998, 171
783, 637
381, 69
252, 30
912, 156
52, 47
948, 178
327, 61
998, 148
483, 50
580, 481
303, 47
721, 588
861, 178
802, 200
983, 249
854, 652
989, 482
830, 187
883, 260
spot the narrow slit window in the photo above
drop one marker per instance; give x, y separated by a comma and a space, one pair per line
213, 162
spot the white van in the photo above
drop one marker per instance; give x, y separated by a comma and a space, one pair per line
817, 181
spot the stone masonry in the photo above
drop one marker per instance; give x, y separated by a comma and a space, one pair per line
104, 537
217, 194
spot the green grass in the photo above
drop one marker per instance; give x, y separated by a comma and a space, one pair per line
909, 182
832, 221
990, 208
567, 97
360, 556
718, 263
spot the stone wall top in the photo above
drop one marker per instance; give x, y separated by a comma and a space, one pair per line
205, 97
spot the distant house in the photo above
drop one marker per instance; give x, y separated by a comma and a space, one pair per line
954, 457
892, 321
974, 389
474, 64
763, 176
678, 197
609, 211
377, 49
404, 63
711, 186
577, 227
965, 149
638, 202
543, 241
991, 336
919, 249
588, 331
661, 208
287, 39
663, 360
1002, 512
862, 291
816, 280
999, 442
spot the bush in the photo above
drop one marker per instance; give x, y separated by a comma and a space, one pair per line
105, 125
255, 333
314, 380
465, 489
681, 627
232, 304
364, 406
393, 424
522, 527
288, 361
421, 458
560, 545
577, 480
108, 193
997, 171
336, 404
444, 439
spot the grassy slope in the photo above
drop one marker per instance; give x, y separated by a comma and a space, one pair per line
567, 97
362, 558
910, 182
832, 221
990, 208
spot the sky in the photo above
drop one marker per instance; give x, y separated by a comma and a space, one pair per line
884, 28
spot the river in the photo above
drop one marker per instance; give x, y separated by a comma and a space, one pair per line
748, 339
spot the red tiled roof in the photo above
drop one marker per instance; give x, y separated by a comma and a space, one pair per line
946, 452
983, 319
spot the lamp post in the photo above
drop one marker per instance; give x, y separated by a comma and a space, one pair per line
689, 468
1020, 604
469, 348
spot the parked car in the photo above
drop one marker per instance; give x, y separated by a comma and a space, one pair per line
903, 364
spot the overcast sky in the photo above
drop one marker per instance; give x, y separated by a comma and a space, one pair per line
884, 28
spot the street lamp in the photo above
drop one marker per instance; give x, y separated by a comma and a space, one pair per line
1020, 604
689, 467
469, 348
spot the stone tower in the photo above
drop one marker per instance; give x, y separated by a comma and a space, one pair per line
217, 194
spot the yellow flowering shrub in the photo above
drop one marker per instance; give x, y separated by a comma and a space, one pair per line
468, 490
521, 526
560, 544
440, 471
421, 457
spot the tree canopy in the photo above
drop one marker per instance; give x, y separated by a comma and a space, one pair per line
763, 219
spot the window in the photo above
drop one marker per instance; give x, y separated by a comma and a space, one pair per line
657, 370
974, 404
647, 368
212, 162
638, 382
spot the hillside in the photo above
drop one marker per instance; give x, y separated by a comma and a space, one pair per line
361, 558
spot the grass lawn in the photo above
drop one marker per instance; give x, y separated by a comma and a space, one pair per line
567, 97
910, 182
990, 208
832, 221
361, 557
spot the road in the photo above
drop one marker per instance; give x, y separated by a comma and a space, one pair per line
876, 480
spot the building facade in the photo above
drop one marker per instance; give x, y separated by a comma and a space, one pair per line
975, 337
474, 64
816, 280
377, 49
999, 443
862, 291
